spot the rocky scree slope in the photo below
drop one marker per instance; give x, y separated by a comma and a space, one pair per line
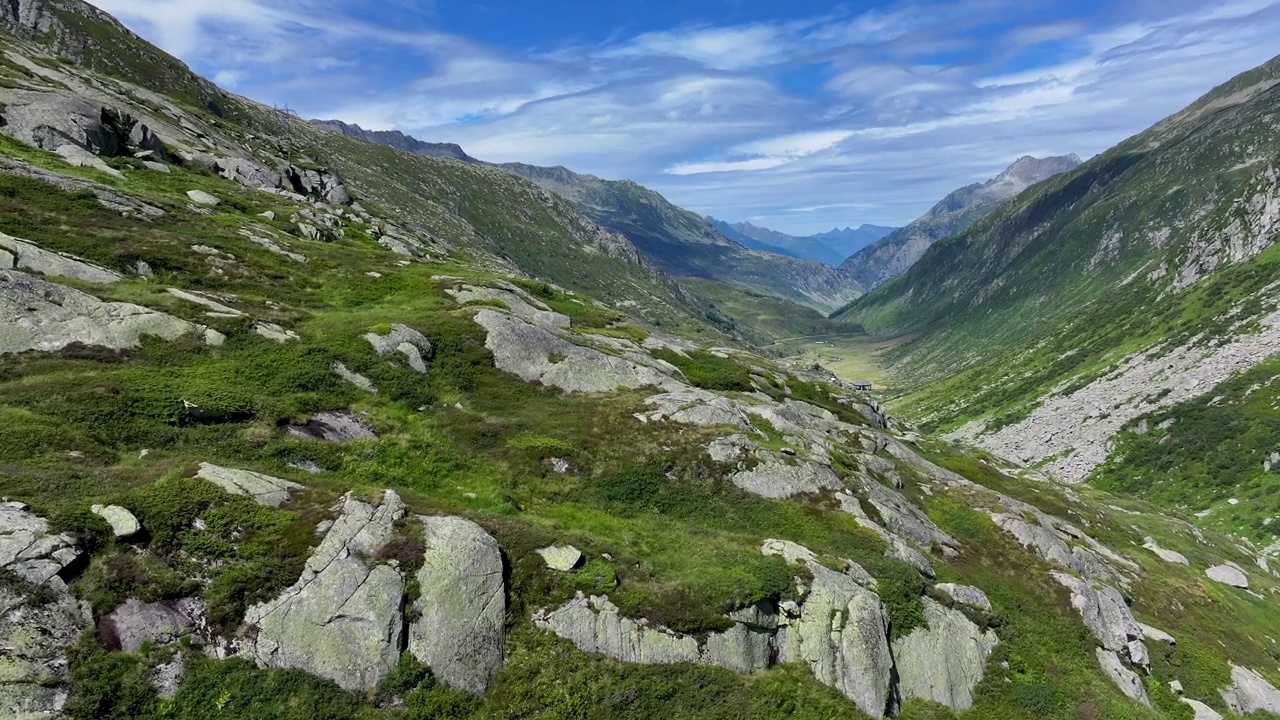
332, 485
900, 249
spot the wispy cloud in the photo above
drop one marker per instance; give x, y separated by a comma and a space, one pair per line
806, 122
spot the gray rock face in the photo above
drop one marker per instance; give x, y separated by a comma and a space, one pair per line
334, 426
594, 624
1250, 692
904, 518
842, 636
37, 626
944, 661
27, 256
1127, 680
201, 197
413, 345
342, 619
775, 478
535, 354
266, 490
520, 303
1202, 711
341, 370
898, 548
204, 300
1228, 574
36, 314
1156, 634
1164, 554
965, 595
559, 558
1050, 541
460, 630
135, 623
107, 196
694, 406
123, 523
1105, 613
76, 156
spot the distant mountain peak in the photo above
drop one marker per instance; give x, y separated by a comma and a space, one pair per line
1030, 170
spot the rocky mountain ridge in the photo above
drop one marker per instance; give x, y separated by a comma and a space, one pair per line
897, 252
397, 140
832, 247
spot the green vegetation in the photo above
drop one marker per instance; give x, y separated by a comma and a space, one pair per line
707, 370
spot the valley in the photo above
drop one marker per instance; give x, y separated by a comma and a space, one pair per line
305, 421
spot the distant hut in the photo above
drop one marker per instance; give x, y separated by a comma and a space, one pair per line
863, 385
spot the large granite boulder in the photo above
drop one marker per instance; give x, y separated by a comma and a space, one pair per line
536, 354
336, 426
1228, 574
342, 620
944, 661
264, 489
39, 619
460, 630
136, 623
594, 624
123, 523
36, 314
965, 595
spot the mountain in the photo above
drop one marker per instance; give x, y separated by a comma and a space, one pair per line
897, 252
1099, 326
397, 140
297, 426
685, 244
832, 247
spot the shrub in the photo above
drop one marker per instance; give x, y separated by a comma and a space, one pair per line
709, 371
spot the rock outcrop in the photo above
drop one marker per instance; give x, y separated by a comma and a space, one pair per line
24, 255
39, 619
264, 489
536, 354
517, 301
594, 624
1250, 692
336, 426
965, 595
1169, 556
776, 478
1129, 682
460, 630
944, 661
560, 558
36, 314
413, 345
342, 620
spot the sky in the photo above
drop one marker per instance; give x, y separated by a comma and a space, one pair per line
798, 115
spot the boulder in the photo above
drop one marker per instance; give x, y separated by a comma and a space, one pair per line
594, 624
1250, 692
536, 354
26, 256
1127, 680
945, 660
1168, 556
136, 623
204, 300
77, 156
1202, 711
36, 314
272, 331
1107, 616
341, 370
965, 595
413, 345
122, 522
337, 426
264, 489
201, 197
1151, 633
39, 619
461, 625
559, 558
342, 620
1228, 574
156, 166
695, 406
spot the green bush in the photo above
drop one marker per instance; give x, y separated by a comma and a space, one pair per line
216, 690
708, 371
108, 686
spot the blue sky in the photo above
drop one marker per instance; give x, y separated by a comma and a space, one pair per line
800, 115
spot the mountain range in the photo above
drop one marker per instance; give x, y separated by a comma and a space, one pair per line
300, 426
832, 247
897, 252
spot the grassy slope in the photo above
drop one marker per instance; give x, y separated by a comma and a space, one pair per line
683, 541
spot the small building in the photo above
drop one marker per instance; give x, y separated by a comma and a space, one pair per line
863, 385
